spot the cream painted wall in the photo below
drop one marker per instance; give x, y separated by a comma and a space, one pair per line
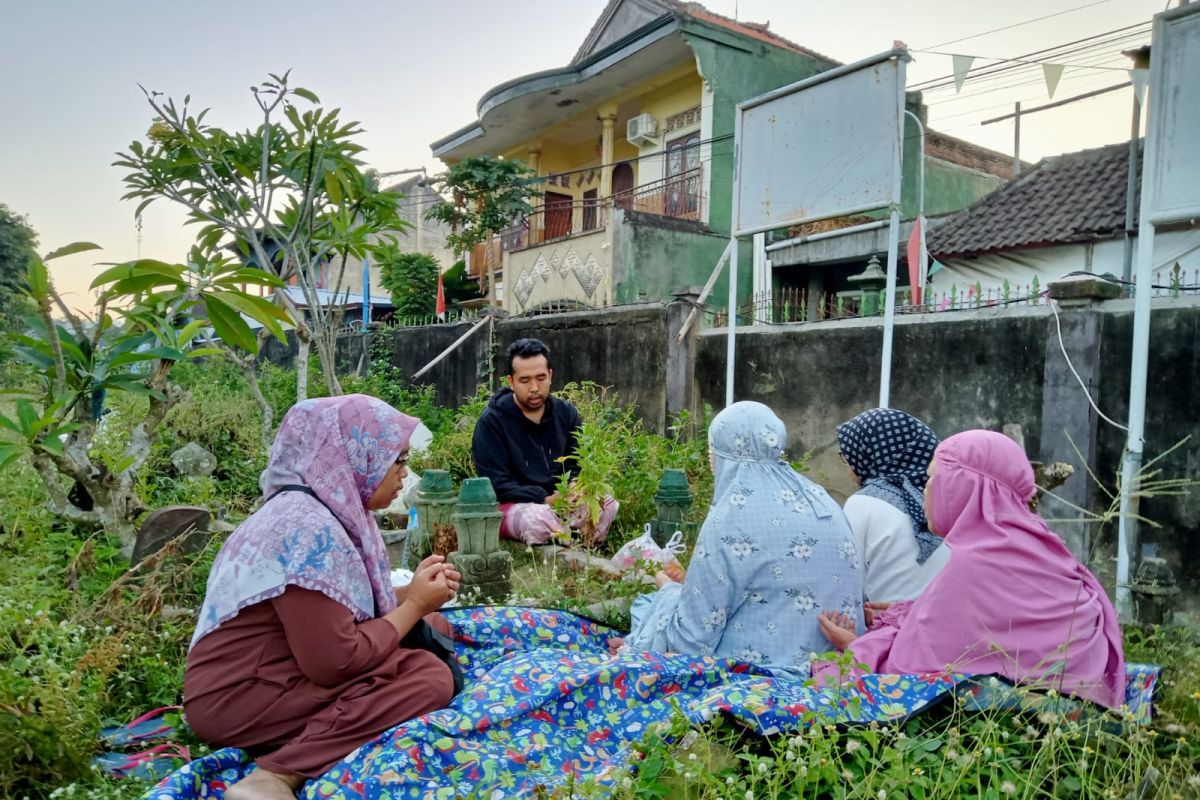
579, 269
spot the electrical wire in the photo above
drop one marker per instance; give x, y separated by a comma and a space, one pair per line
1021, 24
1067, 49
1070, 366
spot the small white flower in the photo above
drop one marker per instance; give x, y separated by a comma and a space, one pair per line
1008, 787
853, 745
762, 769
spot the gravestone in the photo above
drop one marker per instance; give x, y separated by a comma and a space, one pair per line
168, 523
435, 504
672, 503
485, 566
193, 461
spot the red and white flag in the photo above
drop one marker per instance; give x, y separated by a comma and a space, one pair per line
915, 260
441, 297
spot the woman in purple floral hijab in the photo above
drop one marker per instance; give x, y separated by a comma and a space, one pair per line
303, 650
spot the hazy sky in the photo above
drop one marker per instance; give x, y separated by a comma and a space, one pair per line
412, 72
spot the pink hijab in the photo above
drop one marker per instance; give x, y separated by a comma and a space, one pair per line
341, 448
1012, 600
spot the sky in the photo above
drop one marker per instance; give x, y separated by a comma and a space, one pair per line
412, 72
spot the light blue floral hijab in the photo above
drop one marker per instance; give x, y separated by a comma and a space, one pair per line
773, 553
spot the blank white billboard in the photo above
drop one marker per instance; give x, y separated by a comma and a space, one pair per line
1174, 120
824, 147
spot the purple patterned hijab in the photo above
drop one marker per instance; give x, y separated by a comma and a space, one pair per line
341, 448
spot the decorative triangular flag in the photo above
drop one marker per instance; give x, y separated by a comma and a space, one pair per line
1052, 72
441, 297
962, 65
915, 260
1139, 78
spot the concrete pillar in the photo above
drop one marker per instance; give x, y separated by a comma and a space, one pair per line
536, 224
1069, 423
816, 285
608, 117
681, 356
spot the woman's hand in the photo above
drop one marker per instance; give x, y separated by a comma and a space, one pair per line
453, 576
873, 610
661, 579
431, 587
838, 628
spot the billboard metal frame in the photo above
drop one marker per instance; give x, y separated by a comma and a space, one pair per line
1149, 217
900, 57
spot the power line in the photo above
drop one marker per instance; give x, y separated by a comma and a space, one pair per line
1056, 51
1020, 24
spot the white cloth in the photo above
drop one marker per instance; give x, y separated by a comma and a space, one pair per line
884, 535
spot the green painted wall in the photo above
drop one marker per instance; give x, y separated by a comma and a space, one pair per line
653, 259
736, 69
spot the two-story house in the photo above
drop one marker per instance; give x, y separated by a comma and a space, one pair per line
634, 143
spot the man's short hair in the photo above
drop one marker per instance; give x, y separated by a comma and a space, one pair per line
527, 348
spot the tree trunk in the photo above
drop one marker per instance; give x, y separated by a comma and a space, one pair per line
327, 352
249, 368
301, 368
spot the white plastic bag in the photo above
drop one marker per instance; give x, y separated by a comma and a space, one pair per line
645, 549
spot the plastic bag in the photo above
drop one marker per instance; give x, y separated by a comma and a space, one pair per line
645, 550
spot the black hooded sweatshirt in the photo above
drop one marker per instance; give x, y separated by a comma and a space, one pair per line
519, 456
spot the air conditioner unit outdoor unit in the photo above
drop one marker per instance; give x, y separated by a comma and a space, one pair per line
641, 129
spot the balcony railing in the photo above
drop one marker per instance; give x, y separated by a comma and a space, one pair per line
677, 197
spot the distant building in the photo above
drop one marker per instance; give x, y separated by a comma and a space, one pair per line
1066, 214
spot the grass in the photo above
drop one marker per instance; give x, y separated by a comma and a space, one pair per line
84, 643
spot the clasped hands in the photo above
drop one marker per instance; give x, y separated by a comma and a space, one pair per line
434, 583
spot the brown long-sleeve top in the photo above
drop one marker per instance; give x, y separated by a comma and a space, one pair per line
320, 635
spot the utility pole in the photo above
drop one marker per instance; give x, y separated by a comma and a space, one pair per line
1141, 60
1017, 140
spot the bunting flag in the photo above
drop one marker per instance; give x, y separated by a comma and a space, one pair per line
915, 261
1139, 78
441, 298
1052, 72
962, 65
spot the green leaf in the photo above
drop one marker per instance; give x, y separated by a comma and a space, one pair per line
12, 425
133, 269
38, 278
9, 452
306, 94
204, 352
51, 445
333, 188
260, 310
27, 417
72, 249
229, 325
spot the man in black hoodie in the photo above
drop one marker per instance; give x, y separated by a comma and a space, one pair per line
523, 442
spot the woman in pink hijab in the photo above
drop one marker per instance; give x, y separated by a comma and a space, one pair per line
1012, 601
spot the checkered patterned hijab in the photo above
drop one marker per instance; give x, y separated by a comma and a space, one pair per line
889, 451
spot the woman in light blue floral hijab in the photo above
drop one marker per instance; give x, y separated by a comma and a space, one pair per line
774, 551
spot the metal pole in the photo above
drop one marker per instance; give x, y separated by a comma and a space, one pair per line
1127, 525
1131, 465
704, 293
730, 342
1131, 192
440, 356
921, 206
889, 300
1017, 140
366, 292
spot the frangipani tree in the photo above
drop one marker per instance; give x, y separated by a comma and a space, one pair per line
291, 196
150, 316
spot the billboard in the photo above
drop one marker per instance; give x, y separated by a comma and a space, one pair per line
1173, 124
824, 147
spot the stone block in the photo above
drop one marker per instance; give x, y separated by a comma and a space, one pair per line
168, 523
193, 461
1083, 290
488, 574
